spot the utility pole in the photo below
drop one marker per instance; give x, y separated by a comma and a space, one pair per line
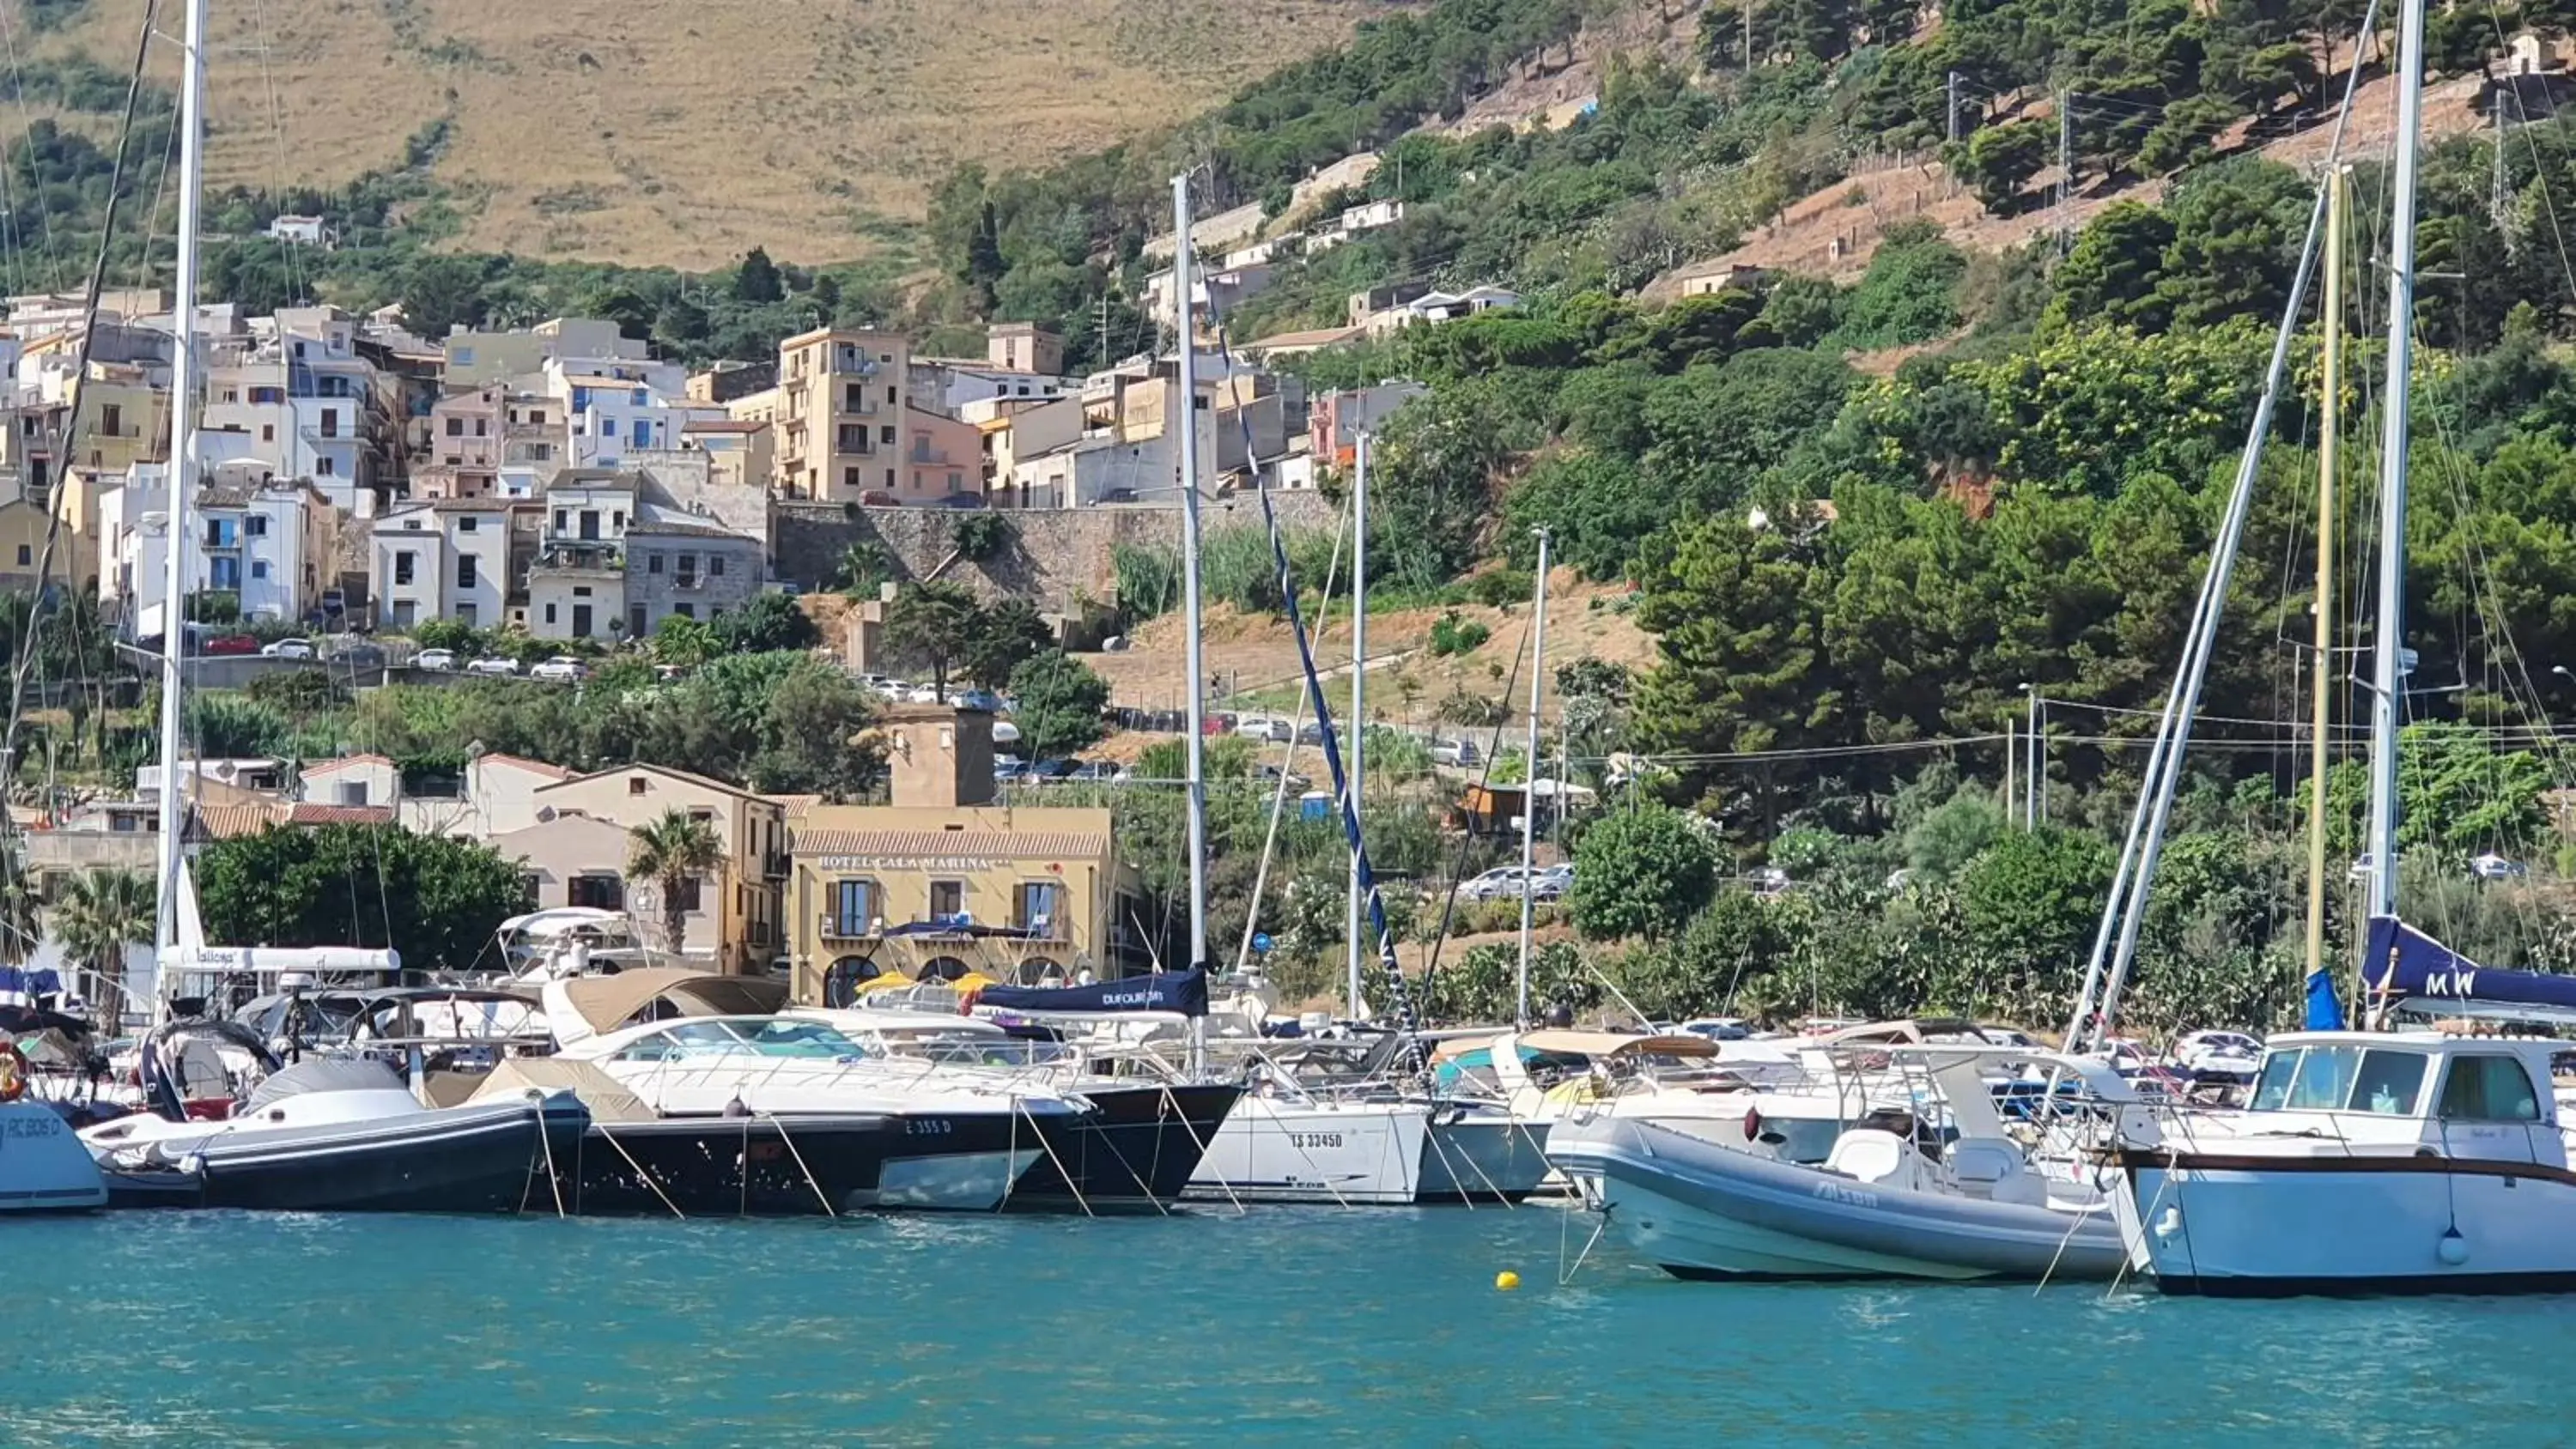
1950, 105
2499, 188
1748, 37
2065, 169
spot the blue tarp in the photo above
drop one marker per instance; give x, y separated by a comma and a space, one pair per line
2401, 963
1182, 991
2325, 1013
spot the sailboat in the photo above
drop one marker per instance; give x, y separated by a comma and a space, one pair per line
2373, 1161
321, 1134
1282, 1142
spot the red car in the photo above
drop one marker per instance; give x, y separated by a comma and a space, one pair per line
230, 644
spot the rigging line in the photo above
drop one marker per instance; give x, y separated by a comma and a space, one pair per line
299, 285
71, 427
1279, 797
27, 128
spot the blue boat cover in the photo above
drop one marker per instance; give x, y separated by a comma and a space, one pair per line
23, 985
2325, 1012
2402, 963
1183, 991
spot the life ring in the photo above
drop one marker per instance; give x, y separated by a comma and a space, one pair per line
13, 1072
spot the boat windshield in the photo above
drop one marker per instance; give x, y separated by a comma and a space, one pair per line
692, 1039
800, 1039
2384, 1081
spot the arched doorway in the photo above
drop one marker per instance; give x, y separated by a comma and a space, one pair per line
1039, 971
943, 968
842, 980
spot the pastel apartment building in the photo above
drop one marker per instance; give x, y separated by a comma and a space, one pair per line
842, 431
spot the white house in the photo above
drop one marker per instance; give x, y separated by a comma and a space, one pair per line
444, 559
269, 546
308, 231
296, 395
1434, 308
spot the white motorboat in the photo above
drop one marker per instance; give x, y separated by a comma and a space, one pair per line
1893, 1199
967, 1138
2372, 1162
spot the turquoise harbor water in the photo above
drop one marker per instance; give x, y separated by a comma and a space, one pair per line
1282, 1326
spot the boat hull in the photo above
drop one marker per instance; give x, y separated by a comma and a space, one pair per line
1135, 1151
1477, 1154
481, 1159
2218, 1225
1698, 1210
728, 1167
1349, 1153
43, 1166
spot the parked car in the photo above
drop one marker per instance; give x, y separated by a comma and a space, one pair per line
230, 644
1263, 728
494, 665
983, 699
2492, 866
1050, 770
1502, 883
1095, 770
438, 661
1554, 881
562, 669
1457, 754
922, 694
289, 649
2232, 1053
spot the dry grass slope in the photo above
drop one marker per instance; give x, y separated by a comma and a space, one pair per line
685, 131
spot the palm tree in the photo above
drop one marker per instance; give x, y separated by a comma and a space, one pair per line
98, 915
672, 853
21, 930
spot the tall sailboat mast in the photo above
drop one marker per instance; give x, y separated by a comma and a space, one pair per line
1193, 666
2388, 624
1529, 785
2329, 443
182, 470
1356, 908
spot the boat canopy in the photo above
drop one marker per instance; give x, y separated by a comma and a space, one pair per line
605, 1003
555, 921
607, 1099
1185, 992
1563, 1042
324, 1074
2401, 966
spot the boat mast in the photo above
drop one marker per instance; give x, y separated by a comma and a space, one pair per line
1529, 783
1193, 666
2330, 414
182, 474
2388, 623
1352, 909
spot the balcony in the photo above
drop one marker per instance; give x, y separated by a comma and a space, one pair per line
847, 928
777, 865
580, 560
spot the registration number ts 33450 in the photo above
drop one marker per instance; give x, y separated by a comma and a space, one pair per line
1314, 1139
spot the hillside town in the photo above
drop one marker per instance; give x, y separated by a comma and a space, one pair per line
561, 480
